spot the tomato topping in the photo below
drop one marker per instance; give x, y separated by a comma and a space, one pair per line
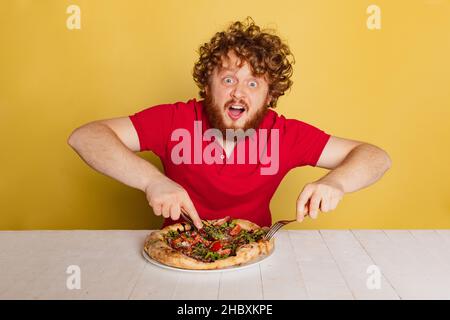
216, 246
235, 230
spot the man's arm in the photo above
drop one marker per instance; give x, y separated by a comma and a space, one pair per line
354, 165
108, 146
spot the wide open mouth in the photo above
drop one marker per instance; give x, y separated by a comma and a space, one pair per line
235, 111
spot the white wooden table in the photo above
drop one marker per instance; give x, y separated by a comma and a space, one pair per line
322, 264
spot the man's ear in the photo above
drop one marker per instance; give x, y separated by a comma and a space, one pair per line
268, 100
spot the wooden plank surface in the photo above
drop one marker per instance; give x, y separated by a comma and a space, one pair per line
245, 284
410, 268
354, 263
306, 264
322, 276
38, 260
281, 276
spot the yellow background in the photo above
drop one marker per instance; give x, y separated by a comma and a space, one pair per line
389, 87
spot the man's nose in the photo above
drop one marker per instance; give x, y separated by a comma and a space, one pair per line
238, 92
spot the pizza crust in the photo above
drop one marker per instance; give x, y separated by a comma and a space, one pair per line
158, 249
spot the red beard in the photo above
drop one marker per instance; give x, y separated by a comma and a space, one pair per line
215, 116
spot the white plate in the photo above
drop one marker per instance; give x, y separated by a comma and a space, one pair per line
234, 268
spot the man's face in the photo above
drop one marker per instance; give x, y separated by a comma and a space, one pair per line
235, 98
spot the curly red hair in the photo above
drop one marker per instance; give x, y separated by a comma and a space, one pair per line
266, 54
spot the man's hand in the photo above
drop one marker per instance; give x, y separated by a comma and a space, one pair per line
167, 197
323, 195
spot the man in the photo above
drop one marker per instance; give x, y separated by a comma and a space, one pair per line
227, 154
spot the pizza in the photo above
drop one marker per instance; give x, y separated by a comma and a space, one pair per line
221, 243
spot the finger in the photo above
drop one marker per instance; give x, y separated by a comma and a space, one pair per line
306, 212
303, 213
157, 210
166, 210
302, 201
190, 209
325, 205
175, 212
314, 205
334, 202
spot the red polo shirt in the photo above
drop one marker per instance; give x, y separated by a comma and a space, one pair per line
239, 190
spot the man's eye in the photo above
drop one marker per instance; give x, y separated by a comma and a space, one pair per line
228, 80
253, 84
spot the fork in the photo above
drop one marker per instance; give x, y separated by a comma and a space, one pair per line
277, 226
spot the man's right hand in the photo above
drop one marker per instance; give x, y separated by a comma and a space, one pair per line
167, 197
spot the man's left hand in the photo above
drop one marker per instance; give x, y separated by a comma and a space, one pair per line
323, 195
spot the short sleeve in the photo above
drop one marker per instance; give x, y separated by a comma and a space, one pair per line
304, 143
153, 126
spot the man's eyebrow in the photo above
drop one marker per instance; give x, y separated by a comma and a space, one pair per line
226, 69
